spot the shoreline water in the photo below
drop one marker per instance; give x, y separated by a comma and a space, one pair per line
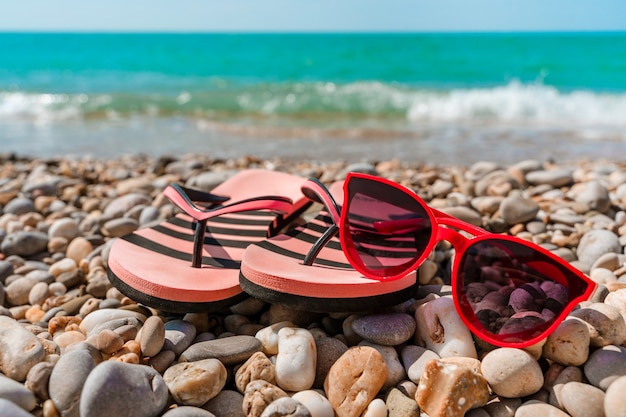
441, 144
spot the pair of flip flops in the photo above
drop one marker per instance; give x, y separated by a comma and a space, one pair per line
227, 245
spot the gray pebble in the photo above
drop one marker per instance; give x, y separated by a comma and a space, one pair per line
67, 380
121, 205
178, 336
229, 350
605, 365
10, 409
113, 388
596, 243
38, 378
391, 329
227, 403
188, 411
17, 393
285, 406
24, 243
19, 205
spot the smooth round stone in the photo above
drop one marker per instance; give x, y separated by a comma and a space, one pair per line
178, 336
316, 403
385, 329
113, 388
606, 324
10, 409
258, 366
355, 380
329, 349
152, 336
615, 400
268, 336
162, 360
227, 403
517, 209
229, 350
119, 227
148, 214
78, 249
16, 393
582, 400
17, 292
38, 378
65, 227
24, 243
6, 269
569, 343
494, 181
596, 243
285, 406
20, 350
19, 205
121, 205
188, 411
605, 365
38, 293
593, 194
534, 408
195, 383
377, 408
441, 329
512, 372
414, 359
99, 317
115, 324
295, 361
557, 177
63, 266
67, 380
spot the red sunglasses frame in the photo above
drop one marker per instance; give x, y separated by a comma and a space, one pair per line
444, 227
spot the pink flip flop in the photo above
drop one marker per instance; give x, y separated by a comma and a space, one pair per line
179, 267
273, 270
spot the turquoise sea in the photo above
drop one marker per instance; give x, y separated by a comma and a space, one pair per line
444, 98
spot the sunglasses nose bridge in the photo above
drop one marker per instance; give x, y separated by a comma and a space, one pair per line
458, 241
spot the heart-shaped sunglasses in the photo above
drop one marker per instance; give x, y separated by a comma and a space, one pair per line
509, 292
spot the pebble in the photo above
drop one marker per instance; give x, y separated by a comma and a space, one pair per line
17, 393
195, 383
187, 411
10, 409
395, 370
315, 403
614, 400
258, 366
400, 405
295, 361
229, 350
152, 336
67, 380
112, 388
227, 403
441, 330
258, 395
605, 365
354, 380
605, 323
582, 400
20, 350
517, 209
24, 243
385, 329
596, 243
285, 406
449, 389
569, 343
512, 372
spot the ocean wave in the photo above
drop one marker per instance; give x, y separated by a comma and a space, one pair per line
514, 103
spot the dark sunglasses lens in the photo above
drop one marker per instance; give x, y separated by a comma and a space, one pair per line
387, 230
513, 292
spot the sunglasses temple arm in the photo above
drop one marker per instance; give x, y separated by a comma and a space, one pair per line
320, 243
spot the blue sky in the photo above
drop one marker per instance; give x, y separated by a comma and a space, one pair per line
313, 15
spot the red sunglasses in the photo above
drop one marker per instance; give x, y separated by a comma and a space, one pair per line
509, 292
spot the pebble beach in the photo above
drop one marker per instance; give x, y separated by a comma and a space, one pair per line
72, 345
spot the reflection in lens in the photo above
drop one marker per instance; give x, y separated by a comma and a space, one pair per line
513, 291
388, 229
